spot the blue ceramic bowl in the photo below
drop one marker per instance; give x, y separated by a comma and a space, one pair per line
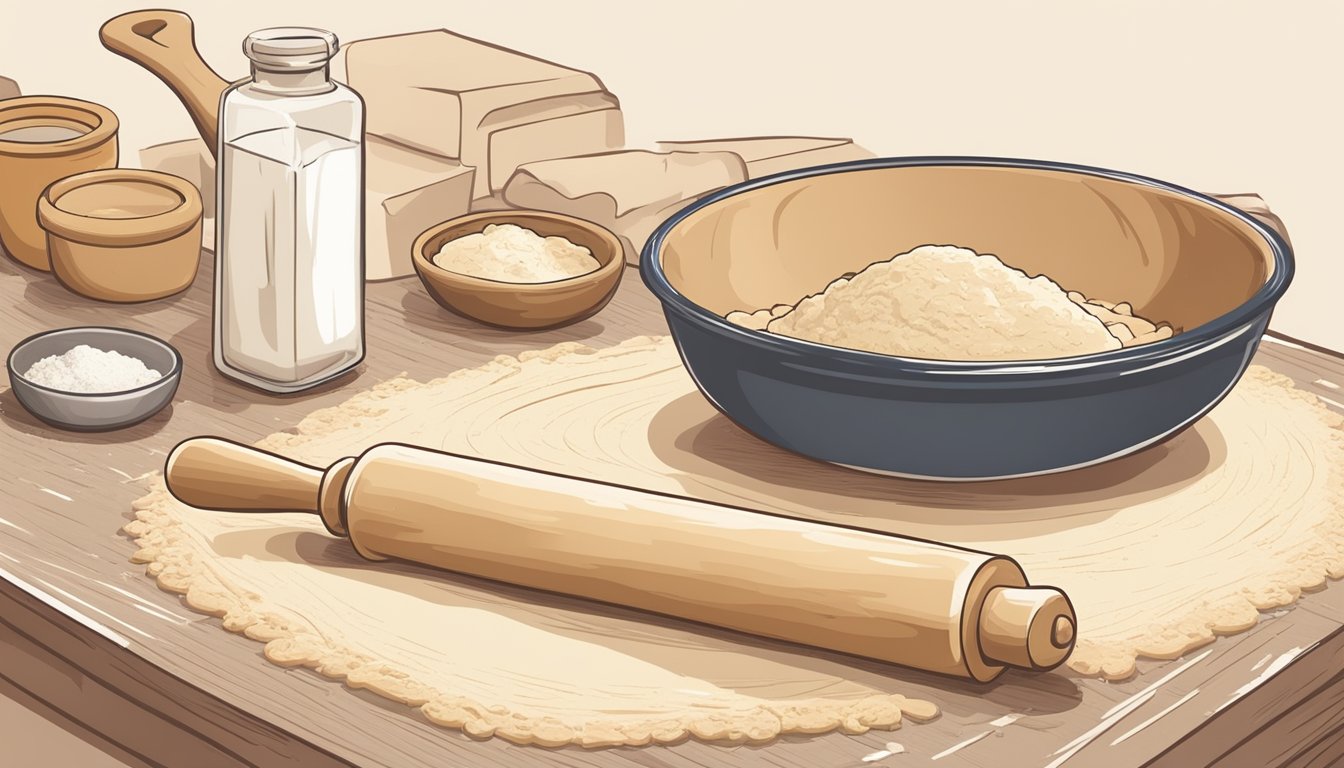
1212, 271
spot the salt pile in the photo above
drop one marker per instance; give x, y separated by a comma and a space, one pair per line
87, 370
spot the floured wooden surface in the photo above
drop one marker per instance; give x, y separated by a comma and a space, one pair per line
1158, 552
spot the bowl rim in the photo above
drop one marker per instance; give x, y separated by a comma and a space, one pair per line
424, 263
174, 372
101, 122
149, 229
1261, 302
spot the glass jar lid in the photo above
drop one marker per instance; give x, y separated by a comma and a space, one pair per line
292, 48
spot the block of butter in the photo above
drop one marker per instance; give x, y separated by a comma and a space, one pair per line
188, 159
765, 155
8, 88
486, 106
629, 192
1255, 205
405, 193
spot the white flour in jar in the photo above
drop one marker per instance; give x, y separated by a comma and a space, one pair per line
88, 369
512, 254
950, 303
289, 301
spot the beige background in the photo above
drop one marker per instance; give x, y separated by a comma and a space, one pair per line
1222, 96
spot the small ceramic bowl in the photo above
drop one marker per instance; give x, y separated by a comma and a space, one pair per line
95, 411
522, 306
122, 235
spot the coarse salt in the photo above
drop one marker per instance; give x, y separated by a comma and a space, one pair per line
512, 254
87, 369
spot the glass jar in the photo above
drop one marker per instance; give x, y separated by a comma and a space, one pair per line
289, 242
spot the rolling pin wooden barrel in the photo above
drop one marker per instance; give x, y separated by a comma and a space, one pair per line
901, 600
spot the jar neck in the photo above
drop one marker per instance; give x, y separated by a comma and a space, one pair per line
291, 82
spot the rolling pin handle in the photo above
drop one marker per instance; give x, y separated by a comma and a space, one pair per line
164, 42
1027, 627
210, 473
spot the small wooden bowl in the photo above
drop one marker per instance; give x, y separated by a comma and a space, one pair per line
522, 306
122, 235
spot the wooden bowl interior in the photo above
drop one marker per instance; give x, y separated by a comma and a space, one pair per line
38, 120
42, 130
121, 199
1175, 258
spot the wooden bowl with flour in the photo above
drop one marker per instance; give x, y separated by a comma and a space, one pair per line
546, 301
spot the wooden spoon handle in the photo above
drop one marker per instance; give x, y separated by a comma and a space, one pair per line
217, 474
164, 43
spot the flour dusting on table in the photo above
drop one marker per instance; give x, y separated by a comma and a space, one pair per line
1159, 552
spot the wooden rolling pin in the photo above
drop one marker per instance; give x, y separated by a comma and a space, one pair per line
895, 599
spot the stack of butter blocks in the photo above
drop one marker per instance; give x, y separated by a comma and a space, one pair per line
450, 118
634, 191
456, 125
768, 155
629, 192
189, 159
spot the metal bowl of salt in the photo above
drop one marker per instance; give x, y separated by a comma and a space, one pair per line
93, 379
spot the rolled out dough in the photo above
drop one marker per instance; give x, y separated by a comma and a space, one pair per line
1159, 552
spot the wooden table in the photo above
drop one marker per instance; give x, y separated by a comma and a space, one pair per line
84, 632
